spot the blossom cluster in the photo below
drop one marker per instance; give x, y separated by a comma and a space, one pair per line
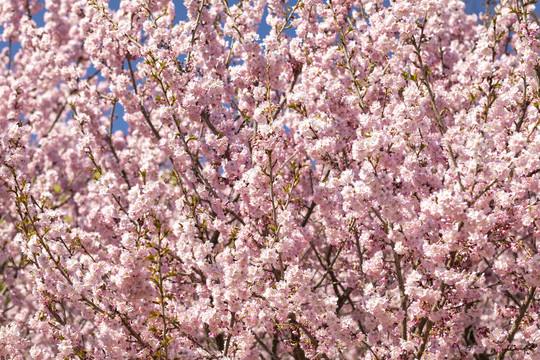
360, 181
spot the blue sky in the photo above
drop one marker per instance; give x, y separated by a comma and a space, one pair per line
472, 6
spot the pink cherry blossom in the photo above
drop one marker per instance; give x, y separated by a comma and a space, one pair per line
272, 179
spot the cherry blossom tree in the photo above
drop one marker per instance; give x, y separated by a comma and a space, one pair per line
358, 183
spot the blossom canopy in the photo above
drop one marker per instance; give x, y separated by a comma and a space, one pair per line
359, 182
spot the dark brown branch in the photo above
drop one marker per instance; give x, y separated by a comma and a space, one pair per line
517, 322
265, 348
141, 107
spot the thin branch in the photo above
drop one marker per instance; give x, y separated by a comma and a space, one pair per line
402, 295
110, 143
524, 106
265, 348
517, 322
141, 107
348, 62
329, 267
229, 337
